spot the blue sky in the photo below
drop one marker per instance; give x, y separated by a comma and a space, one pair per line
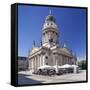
71, 23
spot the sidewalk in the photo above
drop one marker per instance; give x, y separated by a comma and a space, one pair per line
25, 77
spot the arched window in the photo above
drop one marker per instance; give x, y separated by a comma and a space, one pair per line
51, 23
46, 57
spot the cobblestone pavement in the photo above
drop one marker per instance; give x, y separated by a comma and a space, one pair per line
25, 77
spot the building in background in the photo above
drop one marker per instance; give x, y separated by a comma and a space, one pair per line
22, 63
50, 52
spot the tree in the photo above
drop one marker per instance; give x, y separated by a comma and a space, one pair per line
82, 64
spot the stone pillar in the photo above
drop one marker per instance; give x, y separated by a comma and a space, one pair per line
56, 58
56, 66
45, 38
43, 60
65, 60
33, 64
61, 58
68, 61
54, 61
38, 62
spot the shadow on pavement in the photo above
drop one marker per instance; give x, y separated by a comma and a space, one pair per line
23, 79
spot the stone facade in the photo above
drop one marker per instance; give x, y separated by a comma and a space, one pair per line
50, 52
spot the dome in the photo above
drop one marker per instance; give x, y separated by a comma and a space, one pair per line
50, 23
50, 18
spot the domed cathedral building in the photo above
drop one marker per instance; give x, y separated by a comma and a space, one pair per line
50, 52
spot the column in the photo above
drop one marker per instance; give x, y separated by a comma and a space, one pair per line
43, 60
38, 60
33, 64
61, 58
45, 38
54, 61
66, 60
56, 57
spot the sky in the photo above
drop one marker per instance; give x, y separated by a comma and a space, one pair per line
71, 24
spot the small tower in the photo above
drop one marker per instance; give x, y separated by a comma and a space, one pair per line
65, 46
49, 12
33, 43
49, 31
